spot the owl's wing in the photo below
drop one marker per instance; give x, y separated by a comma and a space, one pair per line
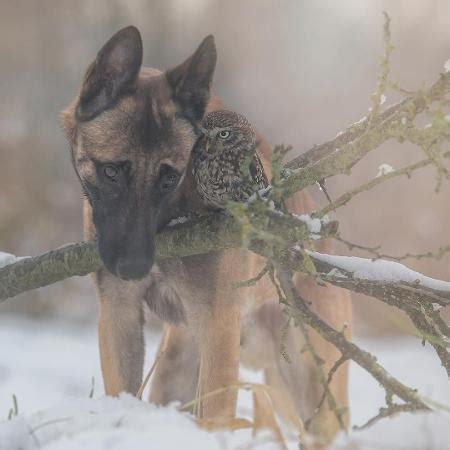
257, 172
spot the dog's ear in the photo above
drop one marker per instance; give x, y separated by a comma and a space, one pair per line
113, 73
191, 80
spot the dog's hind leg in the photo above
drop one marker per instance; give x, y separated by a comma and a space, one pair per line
176, 372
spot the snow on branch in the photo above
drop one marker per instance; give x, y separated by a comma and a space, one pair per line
386, 272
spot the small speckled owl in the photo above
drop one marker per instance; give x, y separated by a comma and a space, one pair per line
225, 165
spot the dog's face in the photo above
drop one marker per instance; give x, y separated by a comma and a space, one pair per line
131, 131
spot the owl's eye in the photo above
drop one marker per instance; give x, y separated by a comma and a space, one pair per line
224, 134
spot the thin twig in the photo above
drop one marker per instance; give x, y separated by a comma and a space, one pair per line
160, 354
345, 198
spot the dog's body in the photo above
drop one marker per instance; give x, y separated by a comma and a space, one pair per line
131, 131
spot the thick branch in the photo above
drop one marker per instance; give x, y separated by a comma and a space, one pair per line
213, 233
209, 233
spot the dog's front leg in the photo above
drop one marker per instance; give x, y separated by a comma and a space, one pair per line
120, 326
219, 335
120, 329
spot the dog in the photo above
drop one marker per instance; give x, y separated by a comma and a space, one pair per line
131, 130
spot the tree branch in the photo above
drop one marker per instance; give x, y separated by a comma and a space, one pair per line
343, 152
298, 308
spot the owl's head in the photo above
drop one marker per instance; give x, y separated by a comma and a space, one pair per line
228, 129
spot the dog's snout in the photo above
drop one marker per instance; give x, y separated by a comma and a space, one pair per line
133, 268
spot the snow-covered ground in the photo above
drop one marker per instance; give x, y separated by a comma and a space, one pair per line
49, 366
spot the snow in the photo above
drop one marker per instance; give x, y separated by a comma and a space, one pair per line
7, 258
384, 169
382, 99
404, 120
49, 366
314, 225
447, 65
381, 270
108, 423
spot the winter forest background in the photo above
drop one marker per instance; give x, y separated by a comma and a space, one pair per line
301, 71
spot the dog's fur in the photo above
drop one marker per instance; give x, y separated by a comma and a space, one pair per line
145, 123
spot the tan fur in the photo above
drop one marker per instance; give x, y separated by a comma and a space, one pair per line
224, 325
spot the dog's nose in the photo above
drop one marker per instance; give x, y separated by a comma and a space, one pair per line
134, 268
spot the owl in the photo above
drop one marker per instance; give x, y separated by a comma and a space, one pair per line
225, 165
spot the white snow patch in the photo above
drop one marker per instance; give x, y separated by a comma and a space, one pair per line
447, 65
381, 270
382, 99
114, 423
339, 134
7, 258
384, 169
48, 363
314, 225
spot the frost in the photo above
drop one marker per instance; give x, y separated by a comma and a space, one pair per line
447, 65
384, 169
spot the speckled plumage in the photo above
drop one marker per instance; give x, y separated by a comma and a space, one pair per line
227, 168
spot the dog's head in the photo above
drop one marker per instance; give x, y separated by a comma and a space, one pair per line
131, 130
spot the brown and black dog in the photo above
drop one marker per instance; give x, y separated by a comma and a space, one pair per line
131, 130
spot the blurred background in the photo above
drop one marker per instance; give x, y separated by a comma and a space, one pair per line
300, 70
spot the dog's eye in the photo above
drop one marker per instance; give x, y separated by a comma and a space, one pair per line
111, 171
224, 134
168, 178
